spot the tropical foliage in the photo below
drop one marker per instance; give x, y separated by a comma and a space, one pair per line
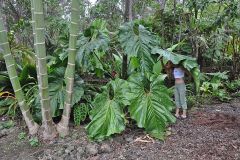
65, 61
148, 102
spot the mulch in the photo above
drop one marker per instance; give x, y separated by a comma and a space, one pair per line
211, 132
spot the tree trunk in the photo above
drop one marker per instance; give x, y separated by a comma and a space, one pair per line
40, 49
162, 4
234, 57
10, 64
63, 126
128, 16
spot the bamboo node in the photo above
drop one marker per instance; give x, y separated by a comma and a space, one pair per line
18, 90
71, 49
38, 12
25, 112
70, 78
70, 92
7, 55
10, 66
40, 43
39, 28
71, 64
13, 77
74, 23
42, 74
74, 35
46, 99
1, 44
67, 104
41, 58
43, 87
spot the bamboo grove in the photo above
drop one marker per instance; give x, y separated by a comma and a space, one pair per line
50, 129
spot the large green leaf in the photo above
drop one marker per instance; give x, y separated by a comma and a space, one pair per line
78, 90
137, 41
107, 115
95, 38
136, 38
151, 104
56, 91
147, 62
173, 57
187, 62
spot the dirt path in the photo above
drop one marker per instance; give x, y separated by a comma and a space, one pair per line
209, 133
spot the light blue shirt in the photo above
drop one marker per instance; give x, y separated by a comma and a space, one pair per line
178, 73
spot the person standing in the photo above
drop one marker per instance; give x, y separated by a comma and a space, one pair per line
180, 92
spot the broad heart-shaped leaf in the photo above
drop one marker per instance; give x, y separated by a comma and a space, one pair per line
137, 41
151, 106
107, 115
134, 38
95, 38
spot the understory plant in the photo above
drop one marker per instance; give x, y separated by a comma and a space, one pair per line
233, 86
214, 85
145, 97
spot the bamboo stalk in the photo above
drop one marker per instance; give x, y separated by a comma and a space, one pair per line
10, 64
63, 126
40, 50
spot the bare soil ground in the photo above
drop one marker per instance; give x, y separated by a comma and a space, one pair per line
211, 132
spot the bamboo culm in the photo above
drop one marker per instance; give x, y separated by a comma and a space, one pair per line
63, 126
40, 50
10, 65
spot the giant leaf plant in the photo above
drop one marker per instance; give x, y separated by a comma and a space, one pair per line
107, 115
151, 104
148, 102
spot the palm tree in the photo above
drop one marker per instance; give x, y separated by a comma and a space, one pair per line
40, 49
10, 64
62, 127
